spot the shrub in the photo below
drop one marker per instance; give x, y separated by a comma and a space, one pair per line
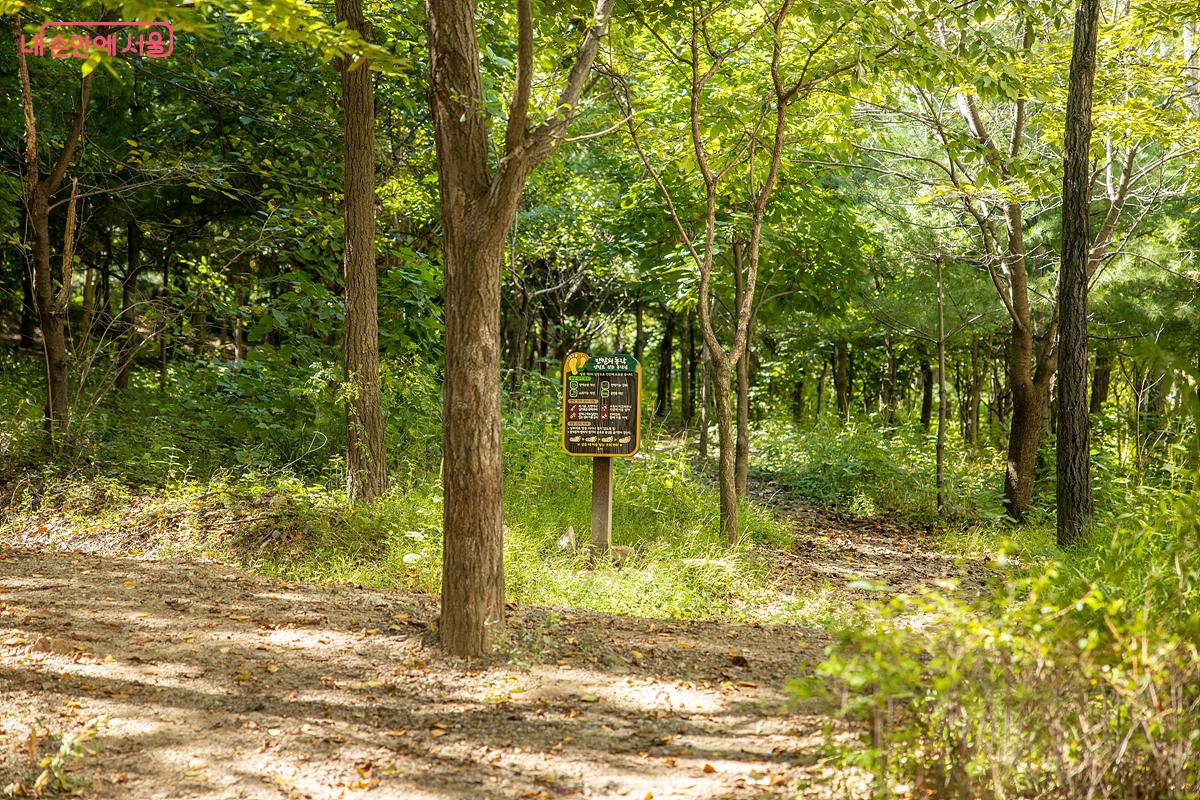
1081, 681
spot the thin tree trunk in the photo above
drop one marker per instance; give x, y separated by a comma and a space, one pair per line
725, 456
687, 371
639, 336
742, 459
1101, 380
29, 323
127, 353
662, 402
926, 394
976, 393
705, 399
941, 428
889, 382
366, 456
798, 401
841, 379
821, 389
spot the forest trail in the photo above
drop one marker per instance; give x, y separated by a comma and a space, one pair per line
216, 683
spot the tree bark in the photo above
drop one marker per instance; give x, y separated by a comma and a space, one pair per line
1074, 487
366, 456
476, 209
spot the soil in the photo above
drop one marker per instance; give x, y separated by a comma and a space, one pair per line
190, 679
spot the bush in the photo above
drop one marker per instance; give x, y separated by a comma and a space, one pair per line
1081, 681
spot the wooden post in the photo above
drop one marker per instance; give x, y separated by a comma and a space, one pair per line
602, 483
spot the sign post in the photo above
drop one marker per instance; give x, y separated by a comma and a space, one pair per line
601, 419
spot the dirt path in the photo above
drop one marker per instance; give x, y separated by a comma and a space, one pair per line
212, 683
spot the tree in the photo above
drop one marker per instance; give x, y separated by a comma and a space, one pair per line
477, 205
366, 458
38, 192
1074, 489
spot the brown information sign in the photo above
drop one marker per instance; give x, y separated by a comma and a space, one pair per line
602, 405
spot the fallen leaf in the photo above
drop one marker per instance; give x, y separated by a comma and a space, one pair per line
239, 618
589, 698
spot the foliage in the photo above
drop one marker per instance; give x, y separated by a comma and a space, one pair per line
864, 469
1080, 680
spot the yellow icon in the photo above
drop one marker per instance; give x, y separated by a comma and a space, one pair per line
574, 363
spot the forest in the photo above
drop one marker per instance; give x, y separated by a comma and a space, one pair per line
898, 303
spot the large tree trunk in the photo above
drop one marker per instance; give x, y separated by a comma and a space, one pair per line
1074, 487
366, 457
476, 209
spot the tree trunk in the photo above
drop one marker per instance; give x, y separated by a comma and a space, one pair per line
687, 370
841, 379
926, 394
51, 318
706, 382
889, 382
821, 390
1074, 486
798, 401
1101, 380
51, 305
639, 335
941, 428
976, 391
28, 311
742, 459
1025, 428
662, 402
725, 458
366, 457
476, 209
127, 353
